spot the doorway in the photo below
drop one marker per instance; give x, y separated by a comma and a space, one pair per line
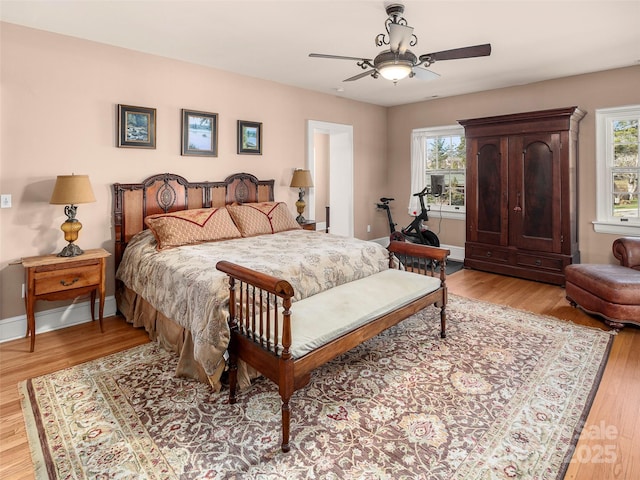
335, 167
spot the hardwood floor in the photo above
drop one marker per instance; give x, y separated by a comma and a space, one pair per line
607, 449
54, 351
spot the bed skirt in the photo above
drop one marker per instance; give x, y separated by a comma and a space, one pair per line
173, 337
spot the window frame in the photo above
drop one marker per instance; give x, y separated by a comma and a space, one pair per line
605, 222
455, 212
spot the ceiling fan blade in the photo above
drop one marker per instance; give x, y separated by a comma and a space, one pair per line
359, 76
339, 57
424, 74
456, 53
399, 37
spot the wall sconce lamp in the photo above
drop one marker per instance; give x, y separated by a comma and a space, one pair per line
71, 190
301, 179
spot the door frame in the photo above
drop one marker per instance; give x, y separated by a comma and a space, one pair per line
340, 173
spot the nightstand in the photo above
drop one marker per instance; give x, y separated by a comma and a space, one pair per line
49, 277
308, 225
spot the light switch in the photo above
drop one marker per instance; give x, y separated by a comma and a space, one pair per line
5, 201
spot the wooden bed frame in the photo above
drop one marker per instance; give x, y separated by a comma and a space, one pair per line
168, 192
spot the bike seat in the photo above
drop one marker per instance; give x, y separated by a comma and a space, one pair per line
385, 199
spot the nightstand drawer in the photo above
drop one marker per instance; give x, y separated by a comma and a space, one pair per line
66, 279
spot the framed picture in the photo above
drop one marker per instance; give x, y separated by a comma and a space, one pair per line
136, 127
249, 137
199, 133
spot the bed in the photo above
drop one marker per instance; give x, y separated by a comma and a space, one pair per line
184, 306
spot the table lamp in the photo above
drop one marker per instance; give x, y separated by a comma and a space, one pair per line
301, 179
71, 190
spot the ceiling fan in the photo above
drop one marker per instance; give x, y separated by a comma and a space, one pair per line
398, 61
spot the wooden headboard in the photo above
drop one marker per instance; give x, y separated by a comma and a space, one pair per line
168, 192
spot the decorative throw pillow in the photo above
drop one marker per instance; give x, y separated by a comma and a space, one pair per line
187, 227
262, 218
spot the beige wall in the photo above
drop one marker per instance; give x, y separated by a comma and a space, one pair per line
58, 116
589, 92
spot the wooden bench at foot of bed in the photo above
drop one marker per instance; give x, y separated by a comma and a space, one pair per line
317, 329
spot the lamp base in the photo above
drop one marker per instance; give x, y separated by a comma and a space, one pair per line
71, 228
71, 250
300, 204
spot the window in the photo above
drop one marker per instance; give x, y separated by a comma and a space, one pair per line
618, 170
438, 160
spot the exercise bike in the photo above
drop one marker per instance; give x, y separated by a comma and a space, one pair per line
415, 232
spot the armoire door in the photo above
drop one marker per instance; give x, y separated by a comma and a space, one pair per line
487, 177
535, 192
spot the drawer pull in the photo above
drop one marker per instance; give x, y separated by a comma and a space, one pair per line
538, 262
65, 284
488, 254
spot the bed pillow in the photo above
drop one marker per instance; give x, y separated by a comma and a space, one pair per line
186, 227
262, 218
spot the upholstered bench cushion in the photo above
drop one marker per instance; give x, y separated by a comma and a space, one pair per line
612, 283
323, 317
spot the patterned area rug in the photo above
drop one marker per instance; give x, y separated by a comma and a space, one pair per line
503, 396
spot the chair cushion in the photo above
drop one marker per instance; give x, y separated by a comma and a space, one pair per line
612, 283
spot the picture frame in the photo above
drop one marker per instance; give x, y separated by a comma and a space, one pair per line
136, 127
249, 138
199, 133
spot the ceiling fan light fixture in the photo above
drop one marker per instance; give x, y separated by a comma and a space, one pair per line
395, 66
395, 71
398, 62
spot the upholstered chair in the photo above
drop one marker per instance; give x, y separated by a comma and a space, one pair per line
610, 291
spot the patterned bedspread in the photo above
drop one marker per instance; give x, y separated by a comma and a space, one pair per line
185, 286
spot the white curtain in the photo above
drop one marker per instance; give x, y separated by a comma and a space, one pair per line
418, 169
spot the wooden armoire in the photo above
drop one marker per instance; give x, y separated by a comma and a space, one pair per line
522, 193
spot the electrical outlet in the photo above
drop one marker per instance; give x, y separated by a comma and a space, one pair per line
5, 201
23, 291
368, 228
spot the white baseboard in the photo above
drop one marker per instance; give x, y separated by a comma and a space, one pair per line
457, 253
54, 319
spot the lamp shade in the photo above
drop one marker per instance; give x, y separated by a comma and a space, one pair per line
72, 190
301, 179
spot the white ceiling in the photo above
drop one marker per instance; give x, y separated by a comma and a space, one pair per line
271, 39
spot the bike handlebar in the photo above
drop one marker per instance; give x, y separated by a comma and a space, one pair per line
419, 194
422, 193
